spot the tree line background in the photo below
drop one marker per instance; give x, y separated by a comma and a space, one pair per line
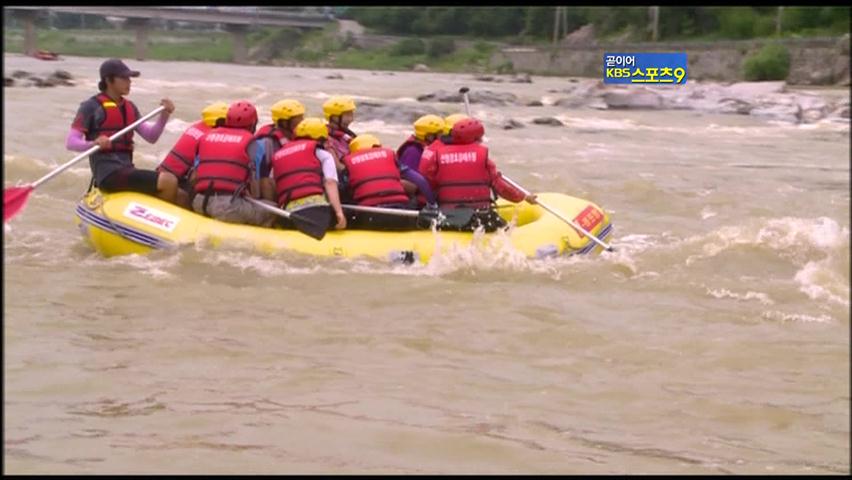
537, 22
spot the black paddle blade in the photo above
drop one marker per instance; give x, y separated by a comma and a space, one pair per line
456, 218
313, 221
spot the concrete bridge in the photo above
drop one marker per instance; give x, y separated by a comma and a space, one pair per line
236, 20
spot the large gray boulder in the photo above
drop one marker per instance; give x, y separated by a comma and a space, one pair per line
405, 113
486, 97
751, 90
633, 99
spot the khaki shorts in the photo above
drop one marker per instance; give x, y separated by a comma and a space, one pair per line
239, 210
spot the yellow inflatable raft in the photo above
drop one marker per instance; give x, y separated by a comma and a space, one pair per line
126, 223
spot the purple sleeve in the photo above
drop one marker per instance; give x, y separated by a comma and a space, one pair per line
76, 141
411, 157
151, 131
422, 185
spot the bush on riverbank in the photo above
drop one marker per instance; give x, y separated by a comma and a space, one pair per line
772, 62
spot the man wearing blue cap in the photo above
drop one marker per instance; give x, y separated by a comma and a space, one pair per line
103, 115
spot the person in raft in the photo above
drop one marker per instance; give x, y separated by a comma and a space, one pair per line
181, 160
103, 115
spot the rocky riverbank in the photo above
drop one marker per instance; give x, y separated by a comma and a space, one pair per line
769, 100
22, 78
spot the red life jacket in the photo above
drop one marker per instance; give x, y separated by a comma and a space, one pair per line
338, 141
223, 163
374, 177
435, 146
116, 117
270, 130
297, 171
181, 158
462, 178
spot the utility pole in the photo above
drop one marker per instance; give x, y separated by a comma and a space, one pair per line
655, 23
778, 21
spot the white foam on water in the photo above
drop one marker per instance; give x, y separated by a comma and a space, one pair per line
788, 235
818, 282
156, 266
629, 248
787, 188
749, 295
707, 212
29, 162
494, 252
646, 275
190, 84
379, 126
325, 96
597, 123
176, 125
795, 317
763, 131
263, 265
547, 100
822, 233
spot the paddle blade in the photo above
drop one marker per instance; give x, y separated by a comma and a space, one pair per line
312, 221
14, 199
458, 217
455, 218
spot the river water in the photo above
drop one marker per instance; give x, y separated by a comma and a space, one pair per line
714, 340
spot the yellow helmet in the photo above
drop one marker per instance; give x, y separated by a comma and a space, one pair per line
451, 120
286, 109
312, 127
337, 105
363, 142
428, 124
214, 112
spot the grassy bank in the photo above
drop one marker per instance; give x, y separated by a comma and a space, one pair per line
268, 46
179, 46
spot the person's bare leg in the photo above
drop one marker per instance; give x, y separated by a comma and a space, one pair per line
267, 189
182, 199
167, 187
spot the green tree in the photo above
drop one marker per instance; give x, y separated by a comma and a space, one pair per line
737, 22
771, 62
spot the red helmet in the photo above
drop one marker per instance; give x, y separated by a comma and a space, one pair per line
467, 130
241, 114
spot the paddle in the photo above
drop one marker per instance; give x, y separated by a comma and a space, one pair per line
312, 221
463, 91
15, 198
457, 217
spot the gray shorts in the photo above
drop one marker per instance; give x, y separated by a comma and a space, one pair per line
239, 210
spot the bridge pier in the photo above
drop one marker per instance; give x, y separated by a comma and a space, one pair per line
28, 17
142, 26
238, 35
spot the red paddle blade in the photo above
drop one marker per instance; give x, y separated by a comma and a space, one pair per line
14, 199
